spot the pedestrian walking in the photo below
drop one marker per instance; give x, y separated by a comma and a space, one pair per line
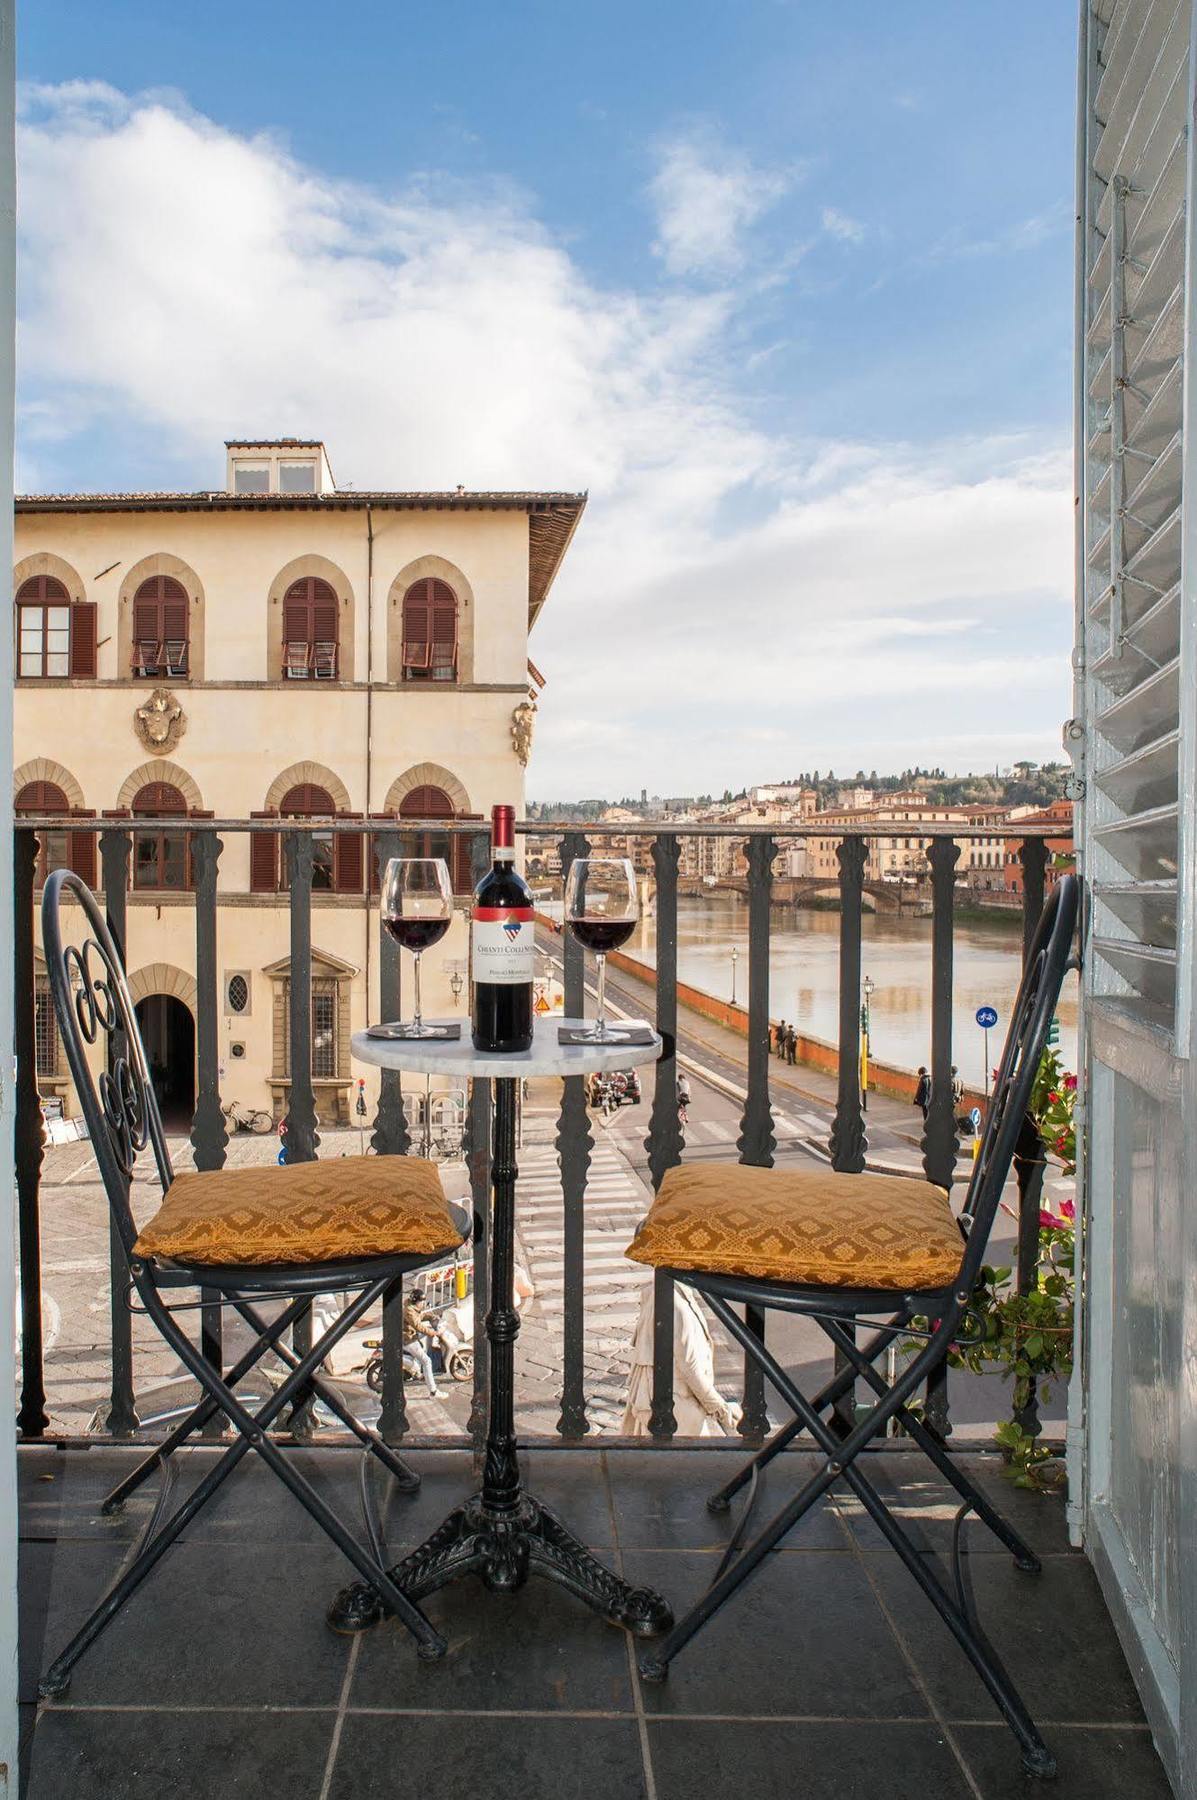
957, 1089
922, 1092
698, 1406
791, 1044
683, 1098
779, 1038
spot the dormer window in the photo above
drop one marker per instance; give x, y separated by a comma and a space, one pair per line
251, 478
297, 478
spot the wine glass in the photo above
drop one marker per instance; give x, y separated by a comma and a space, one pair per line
417, 907
601, 909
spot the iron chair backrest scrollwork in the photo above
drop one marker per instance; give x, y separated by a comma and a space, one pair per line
1039, 991
94, 1006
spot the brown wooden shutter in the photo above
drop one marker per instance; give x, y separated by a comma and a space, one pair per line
159, 800
145, 617
462, 865
347, 858
310, 616
295, 615
374, 851
426, 803
40, 797
174, 614
324, 614
443, 612
417, 626
263, 858
83, 641
82, 850
307, 801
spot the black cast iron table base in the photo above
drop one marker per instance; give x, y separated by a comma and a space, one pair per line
503, 1534
504, 1549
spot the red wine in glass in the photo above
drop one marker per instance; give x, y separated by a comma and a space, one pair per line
602, 934
417, 908
416, 934
602, 906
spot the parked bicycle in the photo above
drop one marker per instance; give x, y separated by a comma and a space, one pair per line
247, 1118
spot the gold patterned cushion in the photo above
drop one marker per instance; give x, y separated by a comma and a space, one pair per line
803, 1226
352, 1206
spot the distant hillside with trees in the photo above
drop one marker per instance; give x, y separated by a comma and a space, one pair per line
1026, 784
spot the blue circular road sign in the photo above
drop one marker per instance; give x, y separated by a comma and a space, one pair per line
987, 1017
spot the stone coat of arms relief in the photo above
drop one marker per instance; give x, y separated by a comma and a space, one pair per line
160, 722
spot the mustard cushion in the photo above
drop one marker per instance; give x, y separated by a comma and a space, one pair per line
353, 1206
803, 1226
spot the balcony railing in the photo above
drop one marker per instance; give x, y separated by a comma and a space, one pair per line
391, 1129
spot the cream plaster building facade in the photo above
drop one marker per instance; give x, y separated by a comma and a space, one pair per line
276, 648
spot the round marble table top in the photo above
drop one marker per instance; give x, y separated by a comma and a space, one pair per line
457, 1056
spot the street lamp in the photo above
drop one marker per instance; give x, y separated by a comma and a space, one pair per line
735, 957
865, 1022
456, 982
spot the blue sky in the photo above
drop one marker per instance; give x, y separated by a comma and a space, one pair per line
786, 285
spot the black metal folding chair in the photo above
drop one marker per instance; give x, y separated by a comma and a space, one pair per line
93, 1004
839, 1309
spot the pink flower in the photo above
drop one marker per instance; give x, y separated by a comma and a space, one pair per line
1070, 1083
1068, 1208
1053, 1098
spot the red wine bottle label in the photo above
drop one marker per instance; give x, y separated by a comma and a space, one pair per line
503, 945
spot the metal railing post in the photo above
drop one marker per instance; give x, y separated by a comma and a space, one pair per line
574, 1146
756, 1142
209, 1136
940, 1141
32, 1417
1034, 873
478, 1138
390, 1137
848, 1142
302, 1140
122, 1419
664, 1140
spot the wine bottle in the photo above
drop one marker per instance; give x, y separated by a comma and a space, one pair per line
502, 947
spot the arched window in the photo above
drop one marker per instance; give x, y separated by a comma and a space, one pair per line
310, 631
54, 637
336, 856
433, 803
430, 631
161, 858
161, 629
56, 849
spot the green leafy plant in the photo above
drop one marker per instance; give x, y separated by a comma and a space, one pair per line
1029, 1336
1053, 1108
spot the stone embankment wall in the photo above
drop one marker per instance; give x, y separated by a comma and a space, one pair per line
812, 1052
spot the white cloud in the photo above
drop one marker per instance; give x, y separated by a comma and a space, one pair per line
736, 602
1022, 234
840, 225
706, 196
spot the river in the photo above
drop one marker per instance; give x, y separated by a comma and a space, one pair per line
896, 954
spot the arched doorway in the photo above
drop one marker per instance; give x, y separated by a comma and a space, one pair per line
168, 1033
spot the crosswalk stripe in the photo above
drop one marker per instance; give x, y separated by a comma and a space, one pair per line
548, 1205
